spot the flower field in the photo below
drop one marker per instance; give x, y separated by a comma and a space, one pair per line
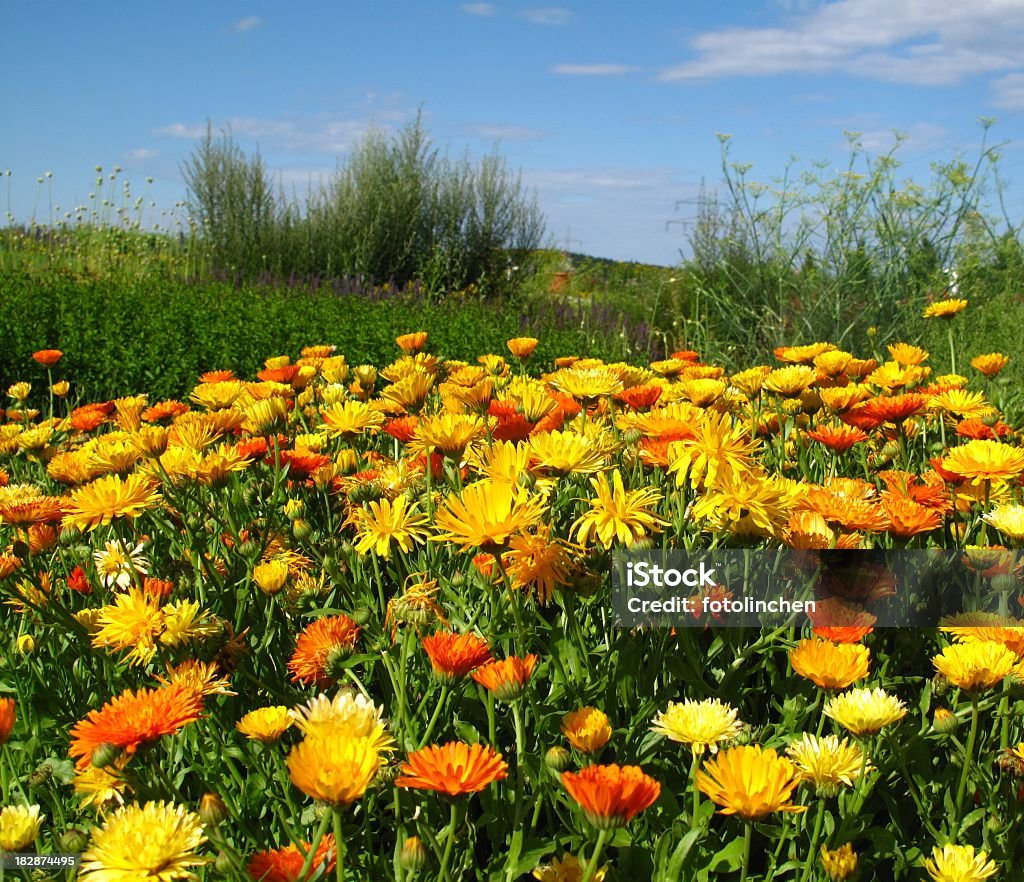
353, 621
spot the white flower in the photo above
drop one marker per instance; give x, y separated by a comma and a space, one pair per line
115, 564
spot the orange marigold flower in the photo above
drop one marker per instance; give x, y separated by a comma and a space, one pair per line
135, 718
990, 364
454, 655
7, 718
411, 343
217, 376
453, 769
837, 438
164, 410
522, 347
587, 729
841, 622
85, 419
829, 665
48, 357
891, 408
639, 397
285, 864
975, 428
611, 796
320, 646
909, 518
402, 428
38, 510
507, 678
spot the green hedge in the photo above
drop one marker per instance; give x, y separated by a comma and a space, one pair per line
126, 337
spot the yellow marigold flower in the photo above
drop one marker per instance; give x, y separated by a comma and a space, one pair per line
487, 514
990, 364
350, 418
1008, 519
718, 450
334, 770
750, 381
702, 392
409, 392
830, 665
945, 308
266, 724
833, 362
157, 842
134, 621
865, 711
959, 863
109, 497
754, 504
568, 869
587, 384
19, 826
100, 786
906, 354
802, 354
961, 403
538, 562
617, 513
271, 575
839, 864
348, 715
826, 762
563, 453
447, 433
701, 724
19, 391
587, 729
749, 781
975, 666
790, 380
217, 396
379, 524
986, 460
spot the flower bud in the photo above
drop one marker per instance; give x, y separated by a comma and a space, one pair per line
945, 721
73, 840
413, 856
212, 810
26, 644
105, 754
557, 759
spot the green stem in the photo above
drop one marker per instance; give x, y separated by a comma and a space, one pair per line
972, 738
441, 702
595, 857
339, 845
815, 836
453, 823
745, 861
314, 845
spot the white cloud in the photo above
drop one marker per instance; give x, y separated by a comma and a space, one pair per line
548, 15
499, 132
911, 41
181, 130
246, 24
484, 9
1008, 92
317, 134
140, 153
593, 70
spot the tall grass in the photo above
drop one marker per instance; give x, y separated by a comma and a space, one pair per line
817, 255
397, 210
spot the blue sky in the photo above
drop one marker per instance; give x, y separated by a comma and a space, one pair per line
610, 109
